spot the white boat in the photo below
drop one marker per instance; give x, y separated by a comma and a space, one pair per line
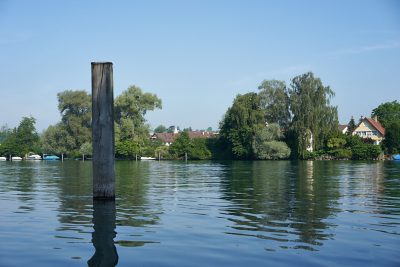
3, 158
147, 158
16, 158
34, 157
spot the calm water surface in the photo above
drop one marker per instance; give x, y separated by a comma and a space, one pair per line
267, 213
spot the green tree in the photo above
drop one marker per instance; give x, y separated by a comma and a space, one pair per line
181, 145
22, 139
127, 149
56, 140
240, 124
86, 149
337, 146
387, 113
313, 116
75, 109
275, 101
267, 144
4, 132
11, 146
161, 151
27, 135
130, 108
392, 138
351, 126
199, 149
336, 142
160, 129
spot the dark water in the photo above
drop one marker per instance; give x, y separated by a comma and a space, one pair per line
202, 214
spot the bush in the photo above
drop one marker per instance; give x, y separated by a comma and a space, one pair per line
199, 149
313, 155
365, 152
272, 150
341, 153
126, 149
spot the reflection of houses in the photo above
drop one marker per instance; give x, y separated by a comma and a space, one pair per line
370, 128
169, 138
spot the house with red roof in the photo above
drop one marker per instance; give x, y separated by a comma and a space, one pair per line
169, 138
370, 128
166, 138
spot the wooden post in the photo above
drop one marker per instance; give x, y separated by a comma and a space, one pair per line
103, 131
185, 156
62, 156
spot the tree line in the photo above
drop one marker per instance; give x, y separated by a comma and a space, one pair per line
299, 122
72, 135
275, 122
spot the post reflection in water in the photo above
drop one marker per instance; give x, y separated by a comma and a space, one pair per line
104, 234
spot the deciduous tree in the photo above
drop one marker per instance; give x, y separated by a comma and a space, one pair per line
392, 138
160, 129
275, 101
130, 108
387, 113
240, 124
76, 116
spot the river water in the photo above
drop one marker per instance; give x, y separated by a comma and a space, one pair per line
264, 213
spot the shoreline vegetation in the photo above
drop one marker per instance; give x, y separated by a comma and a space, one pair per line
276, 122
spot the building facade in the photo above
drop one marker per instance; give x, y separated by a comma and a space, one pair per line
370, 128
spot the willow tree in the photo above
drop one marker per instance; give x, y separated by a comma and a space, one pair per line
314, 118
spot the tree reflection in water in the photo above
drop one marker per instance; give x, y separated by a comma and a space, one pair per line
104, 234
283, 202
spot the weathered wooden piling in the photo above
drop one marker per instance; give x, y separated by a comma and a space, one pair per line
103, 131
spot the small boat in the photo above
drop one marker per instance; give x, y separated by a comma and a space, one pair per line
16, 158
50, 157
3, 158
34, 157
147, 158
396, 157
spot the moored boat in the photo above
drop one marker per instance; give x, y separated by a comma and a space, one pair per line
34, 157
16, 158
50, 157
396, 157
3, 158
147, 158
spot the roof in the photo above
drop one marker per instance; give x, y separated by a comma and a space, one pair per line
342, 127
170, 137
165, 137
200, 134
377, 125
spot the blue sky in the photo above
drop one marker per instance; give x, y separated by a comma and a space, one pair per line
196, 55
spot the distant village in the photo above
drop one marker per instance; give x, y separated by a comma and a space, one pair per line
173, 132
367, 128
